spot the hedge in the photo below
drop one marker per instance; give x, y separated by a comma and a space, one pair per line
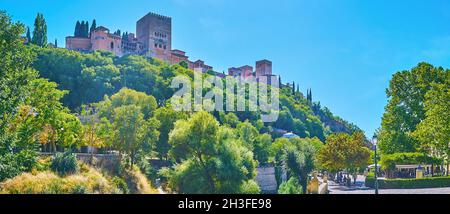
434, 182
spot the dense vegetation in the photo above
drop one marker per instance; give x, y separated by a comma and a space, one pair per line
417, 116
55, 100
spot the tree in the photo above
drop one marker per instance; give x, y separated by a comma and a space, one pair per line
262, 148
93, 26
16, 75
344, 151
434, 130
97, 133
28, 36
56, 43
77, 32
211, 159
40, 31
405, 108
247, 133
167, 117
133, 134
86, 30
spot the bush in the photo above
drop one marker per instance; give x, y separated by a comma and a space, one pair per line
65, 164
121, 185
91, 182
12, 165
137, 182
292, 186
435, 182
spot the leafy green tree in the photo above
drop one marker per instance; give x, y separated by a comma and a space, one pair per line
97, 133
133, 134
40, 31
211, 159
434, 130
247, 133
261, 148
344, 151
405, 108
167, 117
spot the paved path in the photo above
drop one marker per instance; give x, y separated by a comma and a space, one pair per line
337, 189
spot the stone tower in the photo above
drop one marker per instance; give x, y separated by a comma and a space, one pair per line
263, 68
154, 31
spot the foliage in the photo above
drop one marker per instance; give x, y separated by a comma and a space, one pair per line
405, 109
167, 118
292, 186
40, 31
388, 162
434, 131
90, 182
343, 151
210, 158
65, 164
432, 182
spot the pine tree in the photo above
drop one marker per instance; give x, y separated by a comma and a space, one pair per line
77, 29
93, 26
28, 36
40, 31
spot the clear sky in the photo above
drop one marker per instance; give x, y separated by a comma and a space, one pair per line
345, 50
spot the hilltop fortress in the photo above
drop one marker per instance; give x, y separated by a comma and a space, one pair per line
153, 38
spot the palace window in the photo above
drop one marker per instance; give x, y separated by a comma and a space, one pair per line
112, 45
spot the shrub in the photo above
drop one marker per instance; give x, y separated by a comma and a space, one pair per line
13, 164
138, 182
91, 182
65, 164
434, 182
121, 185
292, 186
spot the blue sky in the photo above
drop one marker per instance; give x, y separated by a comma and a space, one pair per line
345, 50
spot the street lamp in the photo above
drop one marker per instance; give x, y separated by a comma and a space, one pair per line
374, 142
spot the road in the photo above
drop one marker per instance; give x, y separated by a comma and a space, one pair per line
336, 189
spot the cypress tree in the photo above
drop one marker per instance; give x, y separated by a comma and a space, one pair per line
293, 87
93, 26
40, 31
86, 31
298, 88
77, 29
28, 35
82, 26
56, 43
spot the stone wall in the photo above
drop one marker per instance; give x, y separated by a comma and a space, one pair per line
266, 180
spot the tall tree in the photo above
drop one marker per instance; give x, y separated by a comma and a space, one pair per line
77, 29
40, 31
434, 130
56, 43
28, 36
93, 26
405, 108
86, 30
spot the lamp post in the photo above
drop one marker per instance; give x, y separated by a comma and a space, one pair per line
374, 142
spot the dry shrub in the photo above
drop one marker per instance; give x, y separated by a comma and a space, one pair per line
138, 183
90, 182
